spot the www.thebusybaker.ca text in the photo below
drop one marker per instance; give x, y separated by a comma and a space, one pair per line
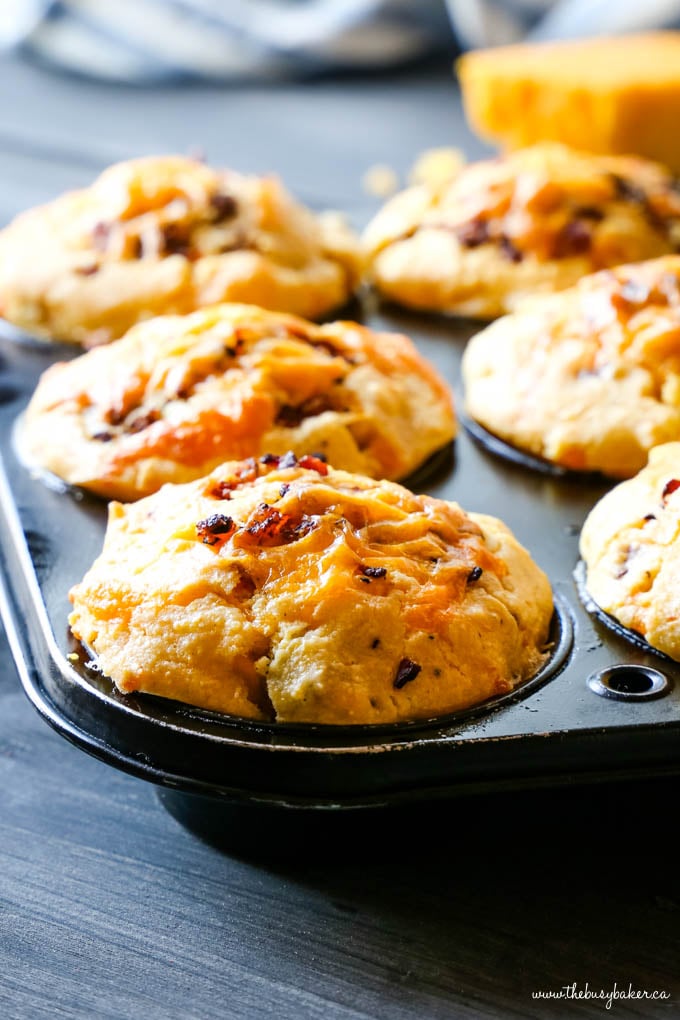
609, 996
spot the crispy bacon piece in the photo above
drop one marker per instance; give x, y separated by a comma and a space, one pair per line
267, 526
574, 238
175, 240
509, 250
225, 206
291, 415
310, 462
627, 191
669, 488
247, 471
407, 670
473, 233
143, 421
373, 571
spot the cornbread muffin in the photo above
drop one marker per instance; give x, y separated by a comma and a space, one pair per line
631, 547
167, 235
179, 395
283, 589
535, 220
590, 378
608, 95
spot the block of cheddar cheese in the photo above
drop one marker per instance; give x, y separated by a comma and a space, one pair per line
605, 95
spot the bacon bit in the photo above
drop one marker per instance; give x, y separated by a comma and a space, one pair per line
214, 529
574, 238
292, 330
319, 343
224, 206
407, 670
143, 421
101, 233
474, 575
291, 415
115, 415
221, 491
103, 437
312, 463
87, 270
589, 212
246, 471
237, 349
627, 191
509, 250
373, 571
271, 527
175, 240
331, 350
270, 458
669, 488
474, 233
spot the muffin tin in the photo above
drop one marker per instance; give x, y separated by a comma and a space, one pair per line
582, 717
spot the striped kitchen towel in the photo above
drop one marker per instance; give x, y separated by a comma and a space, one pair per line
157, 40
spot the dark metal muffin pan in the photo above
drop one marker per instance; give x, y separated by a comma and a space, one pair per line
557, 728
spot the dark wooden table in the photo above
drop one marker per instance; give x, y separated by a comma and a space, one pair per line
109, 908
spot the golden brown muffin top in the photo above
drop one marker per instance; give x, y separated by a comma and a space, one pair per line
281, 588
548, 201
167, 234
178, 395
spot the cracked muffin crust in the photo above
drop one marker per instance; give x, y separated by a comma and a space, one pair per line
284, 590
630, 544
167, 235
534, 220
588, 379
179, 395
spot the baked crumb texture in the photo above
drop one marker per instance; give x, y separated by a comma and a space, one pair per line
536, 220
167, 235
630, 544
588, 379
281, 589
179, 395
